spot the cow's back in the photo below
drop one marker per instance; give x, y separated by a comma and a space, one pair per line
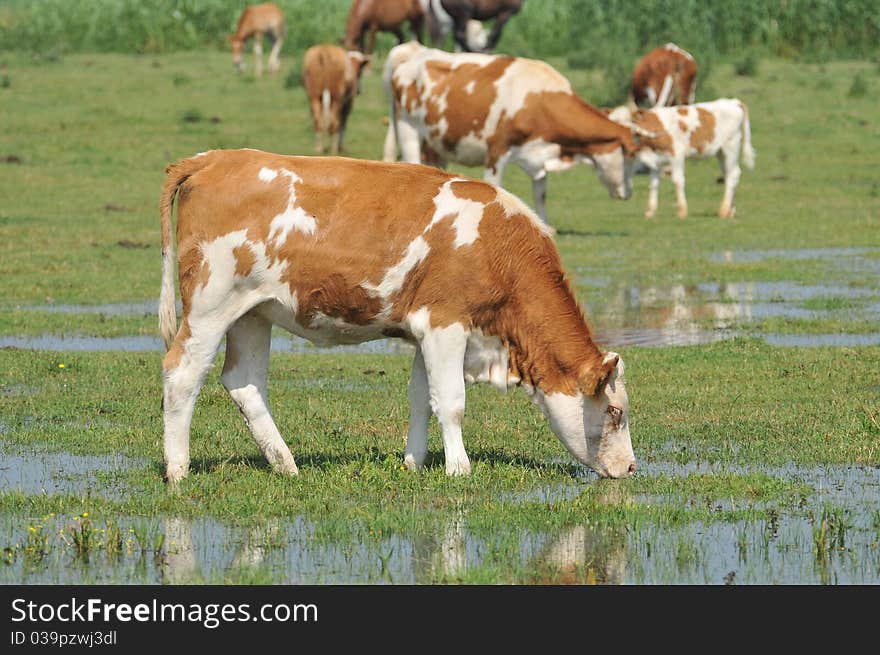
324, 67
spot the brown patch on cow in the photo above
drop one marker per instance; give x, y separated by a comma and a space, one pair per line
175, 352
682, 126
476, 191
704, 134
244, 260
339, 297
648, 120
466, 112
682, 111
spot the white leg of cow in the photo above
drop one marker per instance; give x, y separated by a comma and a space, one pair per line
419, 415
181, 385
443, 351
409, 143
678, 181
653, 187
245, 376
389, 148
274, 60
258, 55
494, 175
539, 192
732, 173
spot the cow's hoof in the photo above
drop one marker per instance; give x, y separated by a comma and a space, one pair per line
458, 467
413, 463
682, 214
649, 214
175, 473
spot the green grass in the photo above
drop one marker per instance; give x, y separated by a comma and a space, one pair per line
82, 159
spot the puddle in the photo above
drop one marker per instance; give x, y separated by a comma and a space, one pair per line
789, 547
792, 254
117, 309
35, 470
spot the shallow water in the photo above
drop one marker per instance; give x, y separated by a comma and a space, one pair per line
36, 470
781, 549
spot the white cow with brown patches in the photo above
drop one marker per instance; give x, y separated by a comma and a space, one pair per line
665, 76
491, 110
329, 249
719, 128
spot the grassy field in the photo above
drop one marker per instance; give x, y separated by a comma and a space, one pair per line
737, 441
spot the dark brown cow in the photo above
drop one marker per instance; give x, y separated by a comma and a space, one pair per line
664, 77
461, 12
371, 16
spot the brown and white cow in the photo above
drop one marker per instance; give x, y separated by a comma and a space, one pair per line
331, 250
663, 77
371, 16
331, 78
490, 110
255, 22
718, 128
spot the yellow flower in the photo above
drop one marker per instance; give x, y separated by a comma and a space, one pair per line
61, 366
85, 515
32, 529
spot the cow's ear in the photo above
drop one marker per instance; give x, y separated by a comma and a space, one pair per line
594, 381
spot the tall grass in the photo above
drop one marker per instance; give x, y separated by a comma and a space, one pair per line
806, 28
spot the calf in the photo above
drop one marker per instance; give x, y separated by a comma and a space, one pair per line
256, 21
716, 128
663, 77
331, 77
490, 110
331, 250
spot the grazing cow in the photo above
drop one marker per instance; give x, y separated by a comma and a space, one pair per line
663, 77
256, 21
342, 251
440, 24
491, 110
371, 16
715, 128
331, 77
458, 15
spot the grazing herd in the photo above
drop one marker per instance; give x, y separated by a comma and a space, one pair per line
342, 251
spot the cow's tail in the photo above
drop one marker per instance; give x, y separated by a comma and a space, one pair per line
175, 175
325, 109
748, 152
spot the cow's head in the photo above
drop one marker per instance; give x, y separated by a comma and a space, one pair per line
614, 166
593, 423
357, 61
237, 50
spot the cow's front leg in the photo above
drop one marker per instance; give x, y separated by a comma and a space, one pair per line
678, 181
443, 351
245, 376
419, 415
539, 192
653, 186
258, 55
274, 55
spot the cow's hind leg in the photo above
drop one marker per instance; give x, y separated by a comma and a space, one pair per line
539, 192
245, 376
419, 415
729, 156
274, 61
443, 350
184, 368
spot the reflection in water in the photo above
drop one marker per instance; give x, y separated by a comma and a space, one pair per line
584, 555
178, 559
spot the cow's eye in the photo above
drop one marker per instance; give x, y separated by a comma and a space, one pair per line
616, 415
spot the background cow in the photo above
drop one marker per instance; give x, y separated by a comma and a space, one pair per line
255, 22
663, 77
717, 128
490, 110
371, 16
340, 250
331, 78
458, 15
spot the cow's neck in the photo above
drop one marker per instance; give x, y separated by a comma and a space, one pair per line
580, 128
548, 339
